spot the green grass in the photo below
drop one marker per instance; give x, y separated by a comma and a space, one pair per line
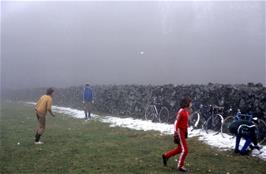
74, 146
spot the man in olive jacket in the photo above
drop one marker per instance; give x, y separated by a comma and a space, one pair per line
43, 105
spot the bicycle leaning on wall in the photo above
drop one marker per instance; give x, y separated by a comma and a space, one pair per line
157, 115
197, 118
207, 117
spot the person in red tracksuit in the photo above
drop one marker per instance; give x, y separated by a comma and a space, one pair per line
180, 134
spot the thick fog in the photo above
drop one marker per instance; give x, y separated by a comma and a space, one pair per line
63, 44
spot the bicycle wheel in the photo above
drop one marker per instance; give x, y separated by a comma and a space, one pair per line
225, 126
150, 113
164, 115
261, 126
214, 123
194, 119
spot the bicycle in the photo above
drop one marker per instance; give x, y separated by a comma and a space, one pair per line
207, 117
260, 124
197, 119
215, 119
227, 122
261, 134
151, 113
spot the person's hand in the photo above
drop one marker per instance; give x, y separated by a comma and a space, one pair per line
176, 139
83, 102
92, 101
51, 113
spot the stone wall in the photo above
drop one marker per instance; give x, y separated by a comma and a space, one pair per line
131, 100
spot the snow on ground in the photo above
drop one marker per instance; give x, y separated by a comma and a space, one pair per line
213, 139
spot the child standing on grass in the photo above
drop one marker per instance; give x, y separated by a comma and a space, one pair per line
43, 105
180, 134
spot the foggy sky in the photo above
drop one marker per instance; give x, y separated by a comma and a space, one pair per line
63, 44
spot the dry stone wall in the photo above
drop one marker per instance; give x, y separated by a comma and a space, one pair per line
131, 100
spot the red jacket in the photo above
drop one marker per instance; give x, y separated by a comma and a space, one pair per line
181, 121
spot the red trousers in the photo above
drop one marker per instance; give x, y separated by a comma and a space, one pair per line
181, 148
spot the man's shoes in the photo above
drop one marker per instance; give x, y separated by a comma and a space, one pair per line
257, 147
244, 152
182, 169
237, 151
251, 147
164, 160
38, 142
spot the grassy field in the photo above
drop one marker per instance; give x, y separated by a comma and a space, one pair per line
75, 146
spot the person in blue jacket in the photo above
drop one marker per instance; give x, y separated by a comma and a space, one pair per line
87, 101
247, 130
